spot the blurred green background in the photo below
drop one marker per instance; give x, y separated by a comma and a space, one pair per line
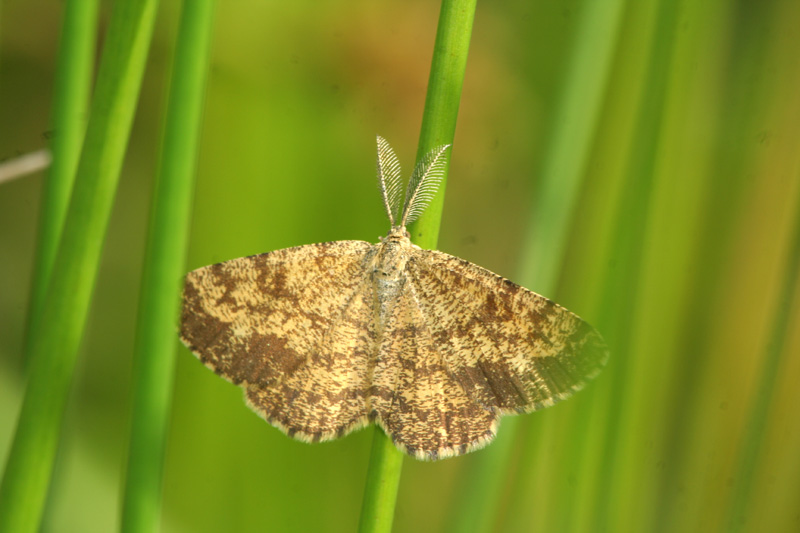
679, 252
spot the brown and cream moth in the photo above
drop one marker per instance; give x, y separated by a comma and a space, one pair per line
326, 338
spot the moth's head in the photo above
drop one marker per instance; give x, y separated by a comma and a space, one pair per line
397, 234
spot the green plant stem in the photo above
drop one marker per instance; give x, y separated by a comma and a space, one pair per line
441, 103
633, 228
438, 127
73, 83
574, 130
54, 348
154, 353
383, 480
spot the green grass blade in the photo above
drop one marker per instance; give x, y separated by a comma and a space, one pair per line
54, 348
622, 295
438, 127
703, 69
441, 103
574, 128
154, 350
383, 480
626, 208
73, 83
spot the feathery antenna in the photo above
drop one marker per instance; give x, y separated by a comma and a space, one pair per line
423, 184
389, 179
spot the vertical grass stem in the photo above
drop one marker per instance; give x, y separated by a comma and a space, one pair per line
54, 347
438, 127
154, 353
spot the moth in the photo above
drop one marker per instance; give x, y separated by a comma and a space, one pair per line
327, 338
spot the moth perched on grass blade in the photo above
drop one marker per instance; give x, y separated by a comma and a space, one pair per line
326, 338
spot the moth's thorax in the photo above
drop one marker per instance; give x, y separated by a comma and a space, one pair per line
392, 256
388, 264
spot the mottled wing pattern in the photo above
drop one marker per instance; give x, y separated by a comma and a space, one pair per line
480, 346
294, 328
415, 399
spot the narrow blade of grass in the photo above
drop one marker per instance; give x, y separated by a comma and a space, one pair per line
154, 352
383, 480
438, 127
441, 103
710, 51
622, 295
54, 348
619, 258
73, 84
